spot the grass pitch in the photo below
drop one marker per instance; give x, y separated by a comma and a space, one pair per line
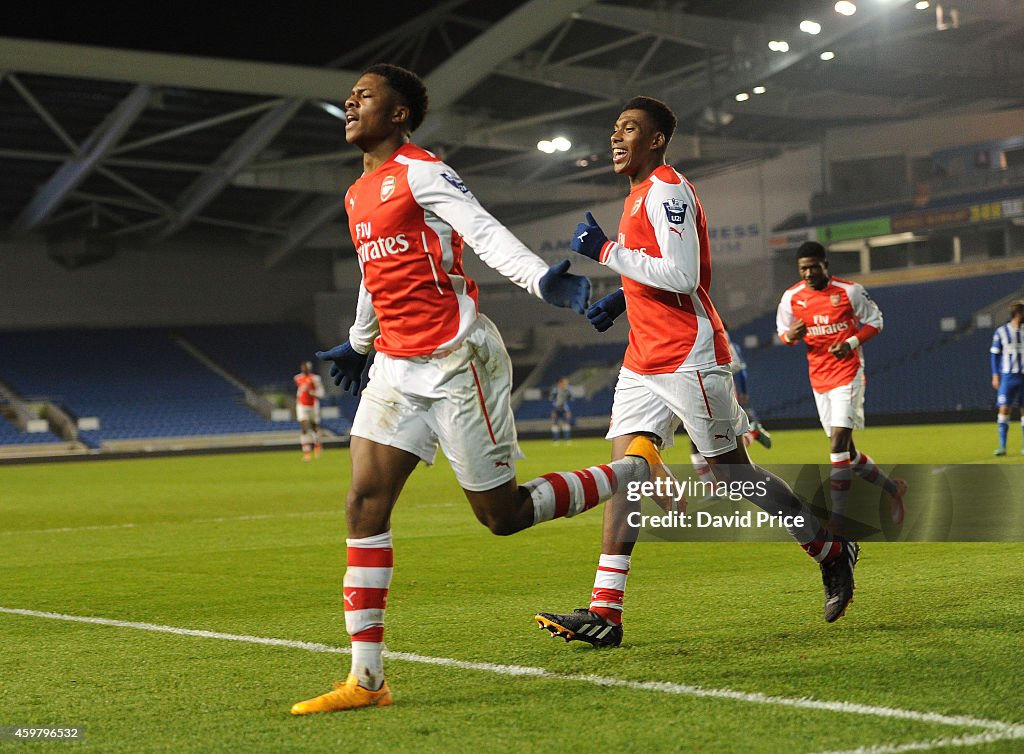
253, 545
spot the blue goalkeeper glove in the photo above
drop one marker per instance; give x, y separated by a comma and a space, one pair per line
561, 288
348, 366
588, 239
603, 313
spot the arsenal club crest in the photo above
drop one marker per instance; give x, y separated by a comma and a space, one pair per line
836, 299
387, 188
675, 209
636, 206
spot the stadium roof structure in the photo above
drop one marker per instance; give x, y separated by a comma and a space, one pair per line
139, 146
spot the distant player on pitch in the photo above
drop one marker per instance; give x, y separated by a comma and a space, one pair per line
1008, 371
309, 389
561, 410
835, 318
441, 375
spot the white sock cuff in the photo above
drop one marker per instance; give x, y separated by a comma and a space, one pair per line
608, 605
1005, 419
620, 562
376, 541
839, 457
630, 469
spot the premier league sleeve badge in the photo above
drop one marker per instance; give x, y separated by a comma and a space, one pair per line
675, 209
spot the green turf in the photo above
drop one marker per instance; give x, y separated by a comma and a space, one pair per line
253, 544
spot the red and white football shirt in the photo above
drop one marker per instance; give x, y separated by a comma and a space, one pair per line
309, 388
408, 219
838, 311
664, 258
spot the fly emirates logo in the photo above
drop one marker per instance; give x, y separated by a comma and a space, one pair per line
622, 242
368, 247
822, 326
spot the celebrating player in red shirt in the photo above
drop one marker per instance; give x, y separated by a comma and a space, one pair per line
676, 367
835, 318
309, 389
441, 373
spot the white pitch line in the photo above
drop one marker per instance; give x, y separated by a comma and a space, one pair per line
62, 529
939, 743
218, 520
262, 517
1007, 730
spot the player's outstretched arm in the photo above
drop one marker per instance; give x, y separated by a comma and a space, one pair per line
677, 268
561, 288
347, 367
603, 313
439, 190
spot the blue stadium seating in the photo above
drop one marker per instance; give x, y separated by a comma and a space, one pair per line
139, 382
282, 347
571, 359
11, 435
142, 384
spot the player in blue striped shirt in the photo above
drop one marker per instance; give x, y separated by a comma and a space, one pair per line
1008, 370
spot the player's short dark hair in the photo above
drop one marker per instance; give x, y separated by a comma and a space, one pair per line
1017, 307
664, 119
408, 86
811, 249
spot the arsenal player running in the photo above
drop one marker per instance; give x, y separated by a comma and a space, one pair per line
441, 375
835, 318
676, 367
309, 389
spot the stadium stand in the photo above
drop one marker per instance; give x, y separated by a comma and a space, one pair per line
278, 350
10, 434
578, 363
139, 382
281, 348
142, 383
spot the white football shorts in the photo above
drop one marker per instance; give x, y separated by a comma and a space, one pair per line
842, 406
704, 400
461, 401
308, 413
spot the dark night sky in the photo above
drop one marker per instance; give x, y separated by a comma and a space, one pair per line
300, 33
